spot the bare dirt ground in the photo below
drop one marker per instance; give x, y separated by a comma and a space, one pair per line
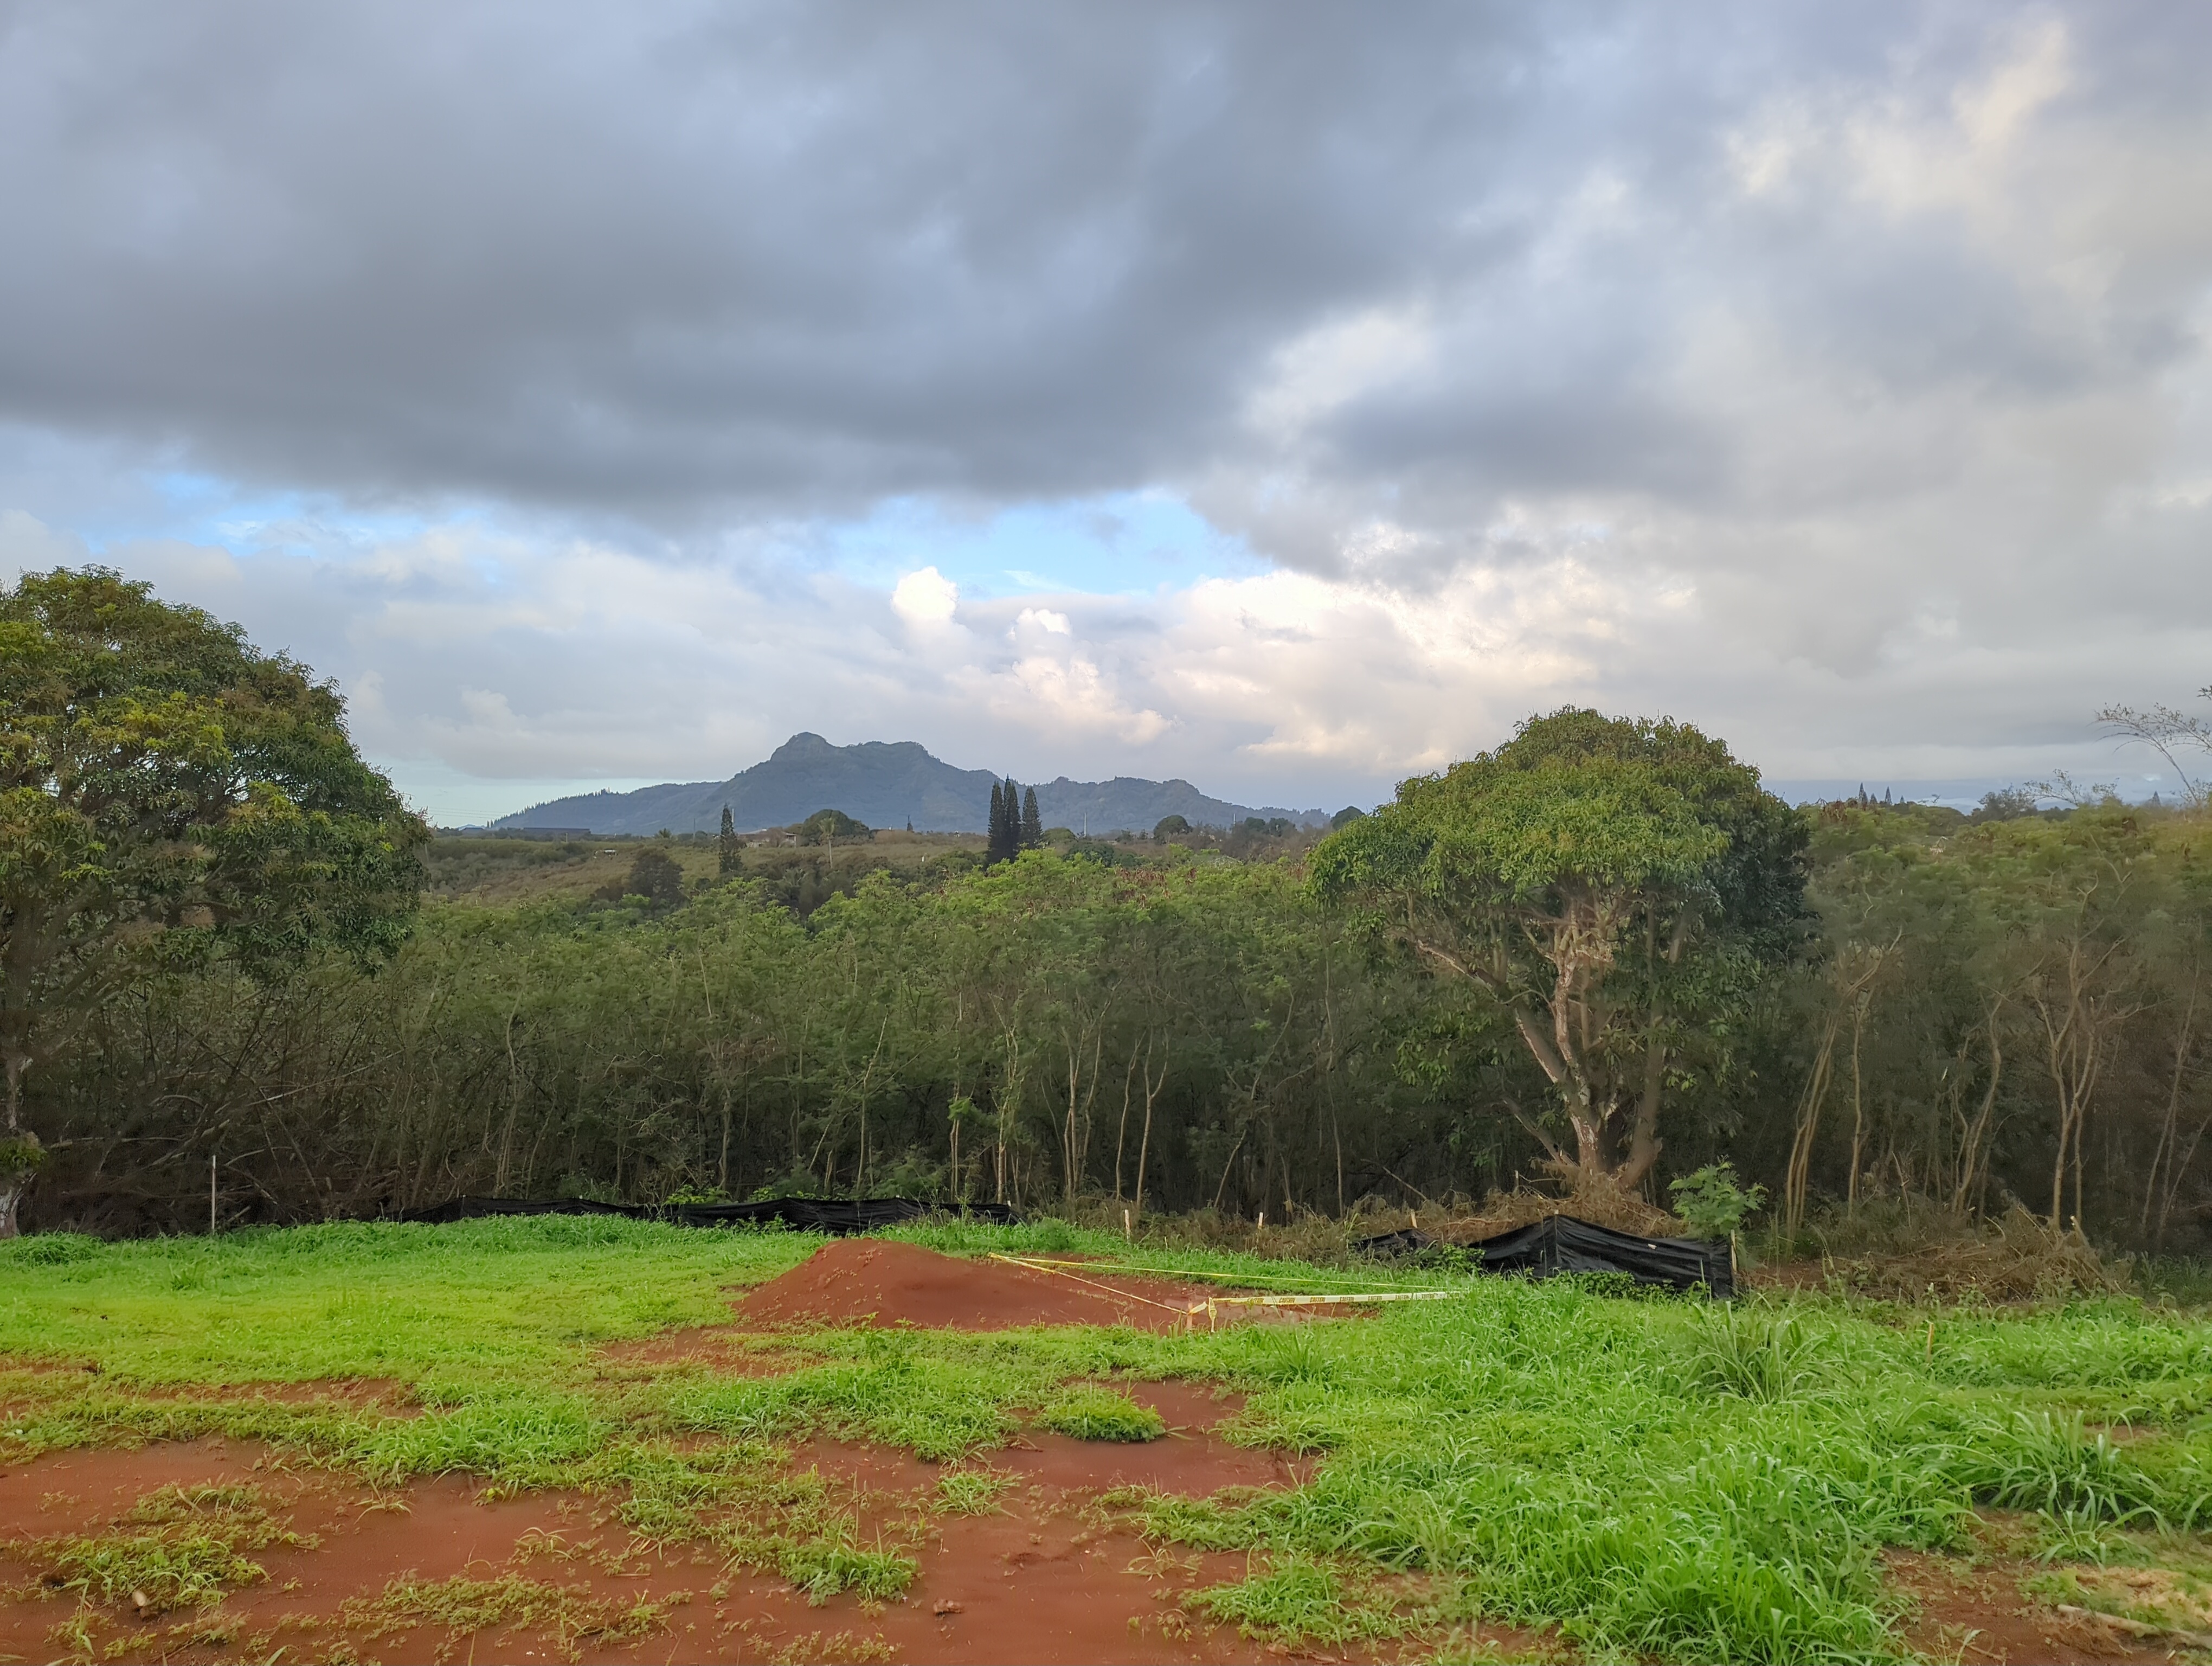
877, 1281
1975, 1612
437, 1570
1037, 1580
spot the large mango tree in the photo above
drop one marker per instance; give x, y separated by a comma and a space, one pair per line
166, 789
1614, 886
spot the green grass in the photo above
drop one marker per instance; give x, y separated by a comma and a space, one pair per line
970, 1492
1658, 1478
182, 1548
1091, 1414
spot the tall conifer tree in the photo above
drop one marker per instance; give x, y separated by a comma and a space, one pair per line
1032, 825
732, 860
994, 836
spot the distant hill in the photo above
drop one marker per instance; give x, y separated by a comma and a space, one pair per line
885, 784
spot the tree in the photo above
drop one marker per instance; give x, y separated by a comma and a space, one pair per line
656, 876
2169, 733
1169, 827
164, 785
1612, 886
730, 851
1033, 824
832, 827
1004, 841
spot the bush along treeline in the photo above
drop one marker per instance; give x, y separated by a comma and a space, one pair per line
1600, 955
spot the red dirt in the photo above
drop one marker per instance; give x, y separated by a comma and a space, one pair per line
1976, 1613
1043, 1578
887, 1283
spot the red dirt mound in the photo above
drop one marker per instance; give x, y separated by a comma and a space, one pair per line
891, 1284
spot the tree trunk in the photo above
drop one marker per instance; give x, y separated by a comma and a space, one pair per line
1644, 1143
1121, 1132
1797, 1177
1858, 1110
1593, 1162
20, 1153
1972, 1154
1145, 1140
2170, 1130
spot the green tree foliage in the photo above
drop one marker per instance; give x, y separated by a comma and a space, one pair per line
1891, 1006
729, 850
655, 879
1033, 824
1003, 836
166, 789
1711, 1200
1991, 989
826, 827
1171, 827
1612, 886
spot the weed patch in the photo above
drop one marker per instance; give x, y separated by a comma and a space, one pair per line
178, 1547
460, 1607
1299, 1599
1101, 1414
970, 1492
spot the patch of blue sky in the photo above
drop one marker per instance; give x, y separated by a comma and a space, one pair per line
195, 507
1119, 545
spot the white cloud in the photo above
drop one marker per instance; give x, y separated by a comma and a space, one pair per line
926, 598
1335, 363
27, 545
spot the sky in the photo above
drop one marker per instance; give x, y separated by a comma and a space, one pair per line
1286, 397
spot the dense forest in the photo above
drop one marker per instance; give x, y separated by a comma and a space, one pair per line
1181, 1031
1849, 1002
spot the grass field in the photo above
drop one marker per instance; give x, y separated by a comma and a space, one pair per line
1643, 1477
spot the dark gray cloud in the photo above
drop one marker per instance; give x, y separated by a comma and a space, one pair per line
681, 256
1835, 372
677, 259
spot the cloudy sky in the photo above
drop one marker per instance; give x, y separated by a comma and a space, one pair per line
1286, 397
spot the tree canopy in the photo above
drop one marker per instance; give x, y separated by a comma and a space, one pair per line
1612, 886
161, 781
832, 827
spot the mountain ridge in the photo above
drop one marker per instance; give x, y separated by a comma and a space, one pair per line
885, 784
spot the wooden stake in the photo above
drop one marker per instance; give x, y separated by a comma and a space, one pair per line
210, 1194
1129, 1231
